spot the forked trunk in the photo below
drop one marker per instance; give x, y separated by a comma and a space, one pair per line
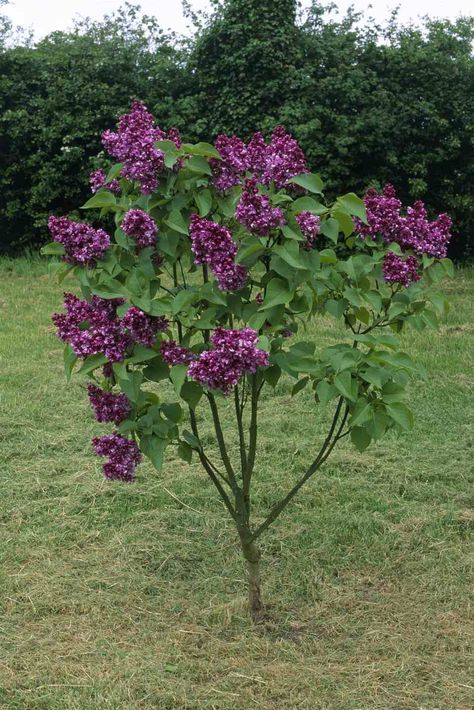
256, 606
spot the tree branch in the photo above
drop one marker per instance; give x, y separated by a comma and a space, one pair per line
253, 427
208, 467
323, 454
242, 446
221, 441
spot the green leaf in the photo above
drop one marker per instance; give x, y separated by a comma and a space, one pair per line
169, 150
199, 164
277, 293
177, 376
301, 384
308, 204
154, 447
248, 250
401, 415
377, 424
53, 249
353, 205
376, 376
272, 374
227, 205
114, 172
120, 371
374, 299
160, 306
325, 392
291, 255
70, 359
177, 222
436, 272
110, 288
346, 385
65, 271
185, 452
448, 266
290, 233
330, 229
336, 308
203, 199
303, 348
141, 354
205, 149
310, 181
131, 385
127, 426
102, 198
206, 319
168, 243
440, 303
191, 392
393, 392
211, 292
360, 438
192, 440
173, 412
92, 363
328, 256
182, 299
379, 338
354, 296
122, 239
257, 320
157, 370
346, 225
430, 318
361, 413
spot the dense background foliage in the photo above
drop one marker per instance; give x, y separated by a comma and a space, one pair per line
367, 104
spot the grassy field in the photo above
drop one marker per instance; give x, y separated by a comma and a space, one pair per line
119, 596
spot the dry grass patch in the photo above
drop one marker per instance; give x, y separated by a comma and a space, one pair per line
133, 597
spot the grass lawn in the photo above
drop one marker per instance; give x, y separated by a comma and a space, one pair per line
117, 596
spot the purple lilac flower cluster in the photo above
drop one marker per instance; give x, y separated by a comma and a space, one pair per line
255, 212
174, 354
275, 162
212, 244
427, 237
139, 225
258, 153
83, 244
228, 171
123, 454
142, 327
283, 159
108, 406
399, 270
133, 145
94, 327
234, 354
175, 136
98, 179
413, 231
310, 226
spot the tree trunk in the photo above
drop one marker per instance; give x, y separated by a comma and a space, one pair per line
256, 606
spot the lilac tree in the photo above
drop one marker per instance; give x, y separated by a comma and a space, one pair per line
219, 256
